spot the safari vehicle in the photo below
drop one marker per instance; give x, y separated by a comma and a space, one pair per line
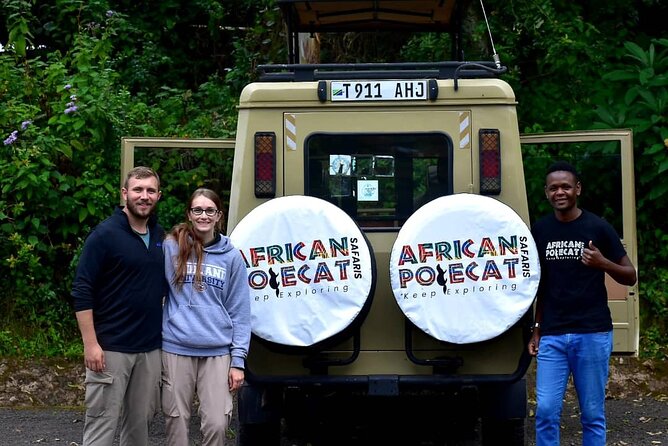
384, 143
383, 213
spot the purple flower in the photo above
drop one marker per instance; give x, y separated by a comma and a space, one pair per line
110, 13
68, 86
12, 137
71, 109
25, 124
73, 97
70, 104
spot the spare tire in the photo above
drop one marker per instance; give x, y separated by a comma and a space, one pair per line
310, 269
464, 268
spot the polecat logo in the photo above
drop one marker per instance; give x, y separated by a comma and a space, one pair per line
310, 269
300, 269
464, 268
564, 250
467, 262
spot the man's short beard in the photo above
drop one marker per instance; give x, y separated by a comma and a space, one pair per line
132, 209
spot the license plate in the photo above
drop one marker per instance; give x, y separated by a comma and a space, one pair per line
397, 90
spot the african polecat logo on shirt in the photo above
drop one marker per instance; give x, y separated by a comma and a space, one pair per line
310, 269
564, 250
464, 268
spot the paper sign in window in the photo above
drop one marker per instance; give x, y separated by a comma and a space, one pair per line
367, 190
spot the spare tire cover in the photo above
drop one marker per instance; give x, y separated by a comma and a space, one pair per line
464, 268
310, 269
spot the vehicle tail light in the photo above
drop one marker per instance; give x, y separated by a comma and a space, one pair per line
490, 161
265, 165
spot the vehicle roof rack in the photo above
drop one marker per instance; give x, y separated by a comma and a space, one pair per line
413, 70
369, 15
320, 16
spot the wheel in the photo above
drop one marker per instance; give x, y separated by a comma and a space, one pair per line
510, 432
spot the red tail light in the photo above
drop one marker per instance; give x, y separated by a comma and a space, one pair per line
265, 165
490, 161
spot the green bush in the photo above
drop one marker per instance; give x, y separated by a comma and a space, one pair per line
105, 74
62, 118
636, 97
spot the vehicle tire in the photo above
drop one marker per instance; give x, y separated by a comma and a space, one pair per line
510, 432
330, 314
268, 433
448, 315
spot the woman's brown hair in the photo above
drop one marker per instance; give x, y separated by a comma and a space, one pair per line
190, 244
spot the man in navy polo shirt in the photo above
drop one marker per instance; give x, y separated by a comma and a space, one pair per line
118, 291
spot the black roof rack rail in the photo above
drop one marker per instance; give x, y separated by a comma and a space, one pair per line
412, 70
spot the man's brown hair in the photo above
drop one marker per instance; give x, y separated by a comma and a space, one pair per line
141, 172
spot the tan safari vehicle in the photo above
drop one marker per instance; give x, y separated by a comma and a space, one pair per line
383, 211
403, 171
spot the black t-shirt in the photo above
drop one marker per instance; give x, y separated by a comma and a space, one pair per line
574, 296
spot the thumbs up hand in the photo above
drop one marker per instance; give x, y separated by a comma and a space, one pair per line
591, 256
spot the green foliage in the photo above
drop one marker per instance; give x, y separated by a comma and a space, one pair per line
177, 68
654, 320
556, 52
427, 47
53, 188
17, 22
636, 97
183, 171
62, 117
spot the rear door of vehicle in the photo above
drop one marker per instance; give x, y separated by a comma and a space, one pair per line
378, 166
304, 128
605, 162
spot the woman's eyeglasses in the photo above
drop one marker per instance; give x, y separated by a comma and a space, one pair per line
210, 212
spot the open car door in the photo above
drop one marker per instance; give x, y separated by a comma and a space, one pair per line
605, 161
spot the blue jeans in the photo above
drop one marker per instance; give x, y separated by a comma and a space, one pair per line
585, 356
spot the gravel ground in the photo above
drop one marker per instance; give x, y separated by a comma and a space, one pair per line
40, 403
54, 426
632, 422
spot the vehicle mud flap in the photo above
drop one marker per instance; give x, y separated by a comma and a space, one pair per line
504, 401
504, 419
509, 432
259, 419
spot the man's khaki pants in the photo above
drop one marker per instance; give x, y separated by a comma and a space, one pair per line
182, 376
129, 388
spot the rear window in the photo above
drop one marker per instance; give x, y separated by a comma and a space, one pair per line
379, 179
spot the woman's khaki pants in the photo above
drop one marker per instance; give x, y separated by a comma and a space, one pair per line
182, 377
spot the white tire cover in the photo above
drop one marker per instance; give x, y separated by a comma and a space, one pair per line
464, 268
309, 267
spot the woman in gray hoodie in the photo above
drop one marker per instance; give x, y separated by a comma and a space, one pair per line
206, 322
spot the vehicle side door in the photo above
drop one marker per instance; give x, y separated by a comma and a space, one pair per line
605, 162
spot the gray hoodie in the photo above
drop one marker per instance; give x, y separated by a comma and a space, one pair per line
215, 319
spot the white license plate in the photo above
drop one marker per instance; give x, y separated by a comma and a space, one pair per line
397, 90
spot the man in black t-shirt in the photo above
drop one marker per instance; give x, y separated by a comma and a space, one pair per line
573, 329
